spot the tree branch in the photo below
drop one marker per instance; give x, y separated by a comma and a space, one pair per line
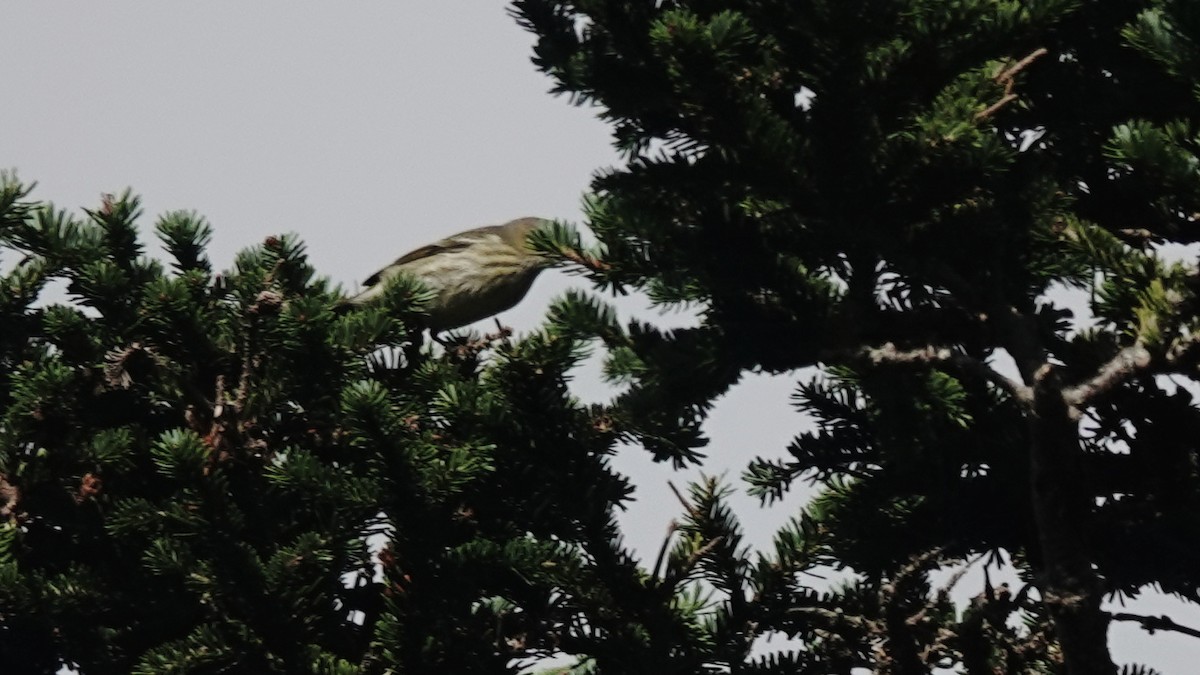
1019, 333
1005, 78
1071, 589
1127, 362
1155, 623
995, 107
932, 355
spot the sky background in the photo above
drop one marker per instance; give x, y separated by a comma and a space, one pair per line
368, 128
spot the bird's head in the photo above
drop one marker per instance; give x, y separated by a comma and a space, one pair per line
516, 234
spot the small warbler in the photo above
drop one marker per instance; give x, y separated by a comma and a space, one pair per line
473, 274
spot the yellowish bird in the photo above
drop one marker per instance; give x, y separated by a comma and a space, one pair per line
473, 274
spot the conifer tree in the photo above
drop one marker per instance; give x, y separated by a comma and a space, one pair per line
206, 471
900, 192
195, 467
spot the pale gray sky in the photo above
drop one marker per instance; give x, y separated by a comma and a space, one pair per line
368, 128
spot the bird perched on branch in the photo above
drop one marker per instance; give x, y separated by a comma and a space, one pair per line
473, 274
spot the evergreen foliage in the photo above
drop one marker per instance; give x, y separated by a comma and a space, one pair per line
193, 466
212, 472
900, 192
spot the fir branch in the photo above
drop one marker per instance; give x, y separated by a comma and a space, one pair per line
1125, 364
1138, 358
936, 356
1155, 623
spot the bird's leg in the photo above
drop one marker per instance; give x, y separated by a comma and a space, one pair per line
503, 332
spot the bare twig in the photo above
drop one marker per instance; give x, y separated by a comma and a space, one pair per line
995, 107
959, 574
662, 551
1006, 77
683, 500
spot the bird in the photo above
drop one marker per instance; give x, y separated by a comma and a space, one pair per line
472, 275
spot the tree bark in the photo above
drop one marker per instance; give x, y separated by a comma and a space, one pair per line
1062, 507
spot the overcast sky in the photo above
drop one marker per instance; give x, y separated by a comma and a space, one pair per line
368, 128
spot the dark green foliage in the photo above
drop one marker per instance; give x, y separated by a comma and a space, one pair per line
193, 466
888, 193
897, 191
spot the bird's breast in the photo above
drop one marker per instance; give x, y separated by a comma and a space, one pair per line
468, 287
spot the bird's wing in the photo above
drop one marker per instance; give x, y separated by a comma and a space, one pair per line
452, 243
423, 252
